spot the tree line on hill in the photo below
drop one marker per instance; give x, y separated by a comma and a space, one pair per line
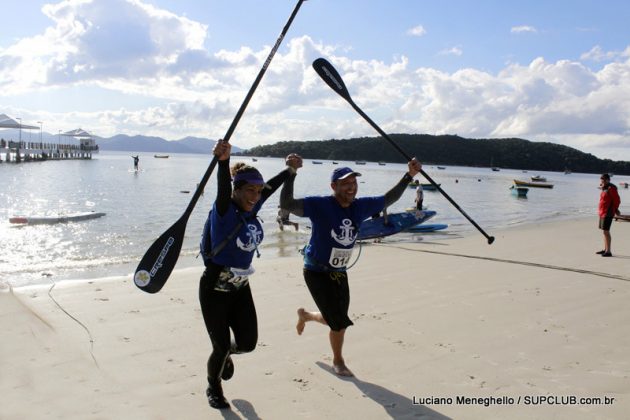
508, 153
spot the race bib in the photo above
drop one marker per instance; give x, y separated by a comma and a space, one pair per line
340, 257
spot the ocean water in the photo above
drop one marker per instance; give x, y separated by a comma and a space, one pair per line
141, 206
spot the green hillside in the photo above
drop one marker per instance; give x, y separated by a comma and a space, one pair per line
509, 153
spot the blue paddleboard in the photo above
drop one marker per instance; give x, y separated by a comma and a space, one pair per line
396, 222
427, 228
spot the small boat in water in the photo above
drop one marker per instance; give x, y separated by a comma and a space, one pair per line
441, 167
254, 160
519, 191
538, 178
532, 184
430, 187
49, 220
160, 156
317, 162
360, 162
382, 163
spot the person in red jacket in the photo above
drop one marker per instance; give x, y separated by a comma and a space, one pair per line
608, 207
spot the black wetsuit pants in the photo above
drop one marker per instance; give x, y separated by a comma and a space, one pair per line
223, 311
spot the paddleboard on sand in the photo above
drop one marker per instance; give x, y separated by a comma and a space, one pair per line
427, 228
39, 220
396, 222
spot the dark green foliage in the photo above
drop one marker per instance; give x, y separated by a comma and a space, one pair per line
509, 153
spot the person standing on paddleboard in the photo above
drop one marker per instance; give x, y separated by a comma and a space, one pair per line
136, 159
609, 202
335, 223
232, 234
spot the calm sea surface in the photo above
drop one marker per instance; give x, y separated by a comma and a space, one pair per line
140, 206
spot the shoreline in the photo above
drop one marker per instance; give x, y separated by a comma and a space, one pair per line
535, 314
283, 248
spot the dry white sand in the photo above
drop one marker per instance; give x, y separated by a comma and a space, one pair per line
535, 315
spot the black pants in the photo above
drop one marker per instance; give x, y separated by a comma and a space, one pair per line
331, 294
223, 311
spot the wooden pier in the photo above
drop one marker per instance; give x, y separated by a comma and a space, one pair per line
23, 151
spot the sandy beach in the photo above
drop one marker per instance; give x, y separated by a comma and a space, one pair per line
534, 326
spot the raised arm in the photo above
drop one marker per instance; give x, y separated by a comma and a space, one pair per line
293, 162
397, 191
287, 201
224, 180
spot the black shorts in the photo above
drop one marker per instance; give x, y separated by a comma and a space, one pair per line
331, 294
605, 222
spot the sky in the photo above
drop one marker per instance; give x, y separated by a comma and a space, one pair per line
552, 70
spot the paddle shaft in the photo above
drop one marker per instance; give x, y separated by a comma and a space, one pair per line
241, 110
402, 152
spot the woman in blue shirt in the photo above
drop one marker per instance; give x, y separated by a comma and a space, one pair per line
232, 234
336, 220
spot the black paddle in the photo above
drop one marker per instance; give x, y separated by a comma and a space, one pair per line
160, 259
332, 78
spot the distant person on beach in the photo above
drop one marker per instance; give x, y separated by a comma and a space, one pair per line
609, 202
136, 159
231, 235
283, 219
335, 220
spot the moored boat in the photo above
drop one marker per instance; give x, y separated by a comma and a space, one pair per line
538, 178
532, 184
160, 156
430, 187
519, 191
360, 162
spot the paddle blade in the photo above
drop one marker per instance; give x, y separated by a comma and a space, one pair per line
160, 259
332, 78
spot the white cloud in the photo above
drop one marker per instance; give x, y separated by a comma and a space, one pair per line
188, 90
456, 51
417, 31
523, 28
598, 54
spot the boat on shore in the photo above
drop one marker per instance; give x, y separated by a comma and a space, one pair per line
49, 220
160, 156
532, 184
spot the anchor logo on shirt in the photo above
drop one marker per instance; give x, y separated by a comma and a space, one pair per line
345, 238
254, 239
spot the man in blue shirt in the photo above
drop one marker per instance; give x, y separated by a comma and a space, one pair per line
335, 220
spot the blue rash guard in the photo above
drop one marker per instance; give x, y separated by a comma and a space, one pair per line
239, 251
334, 230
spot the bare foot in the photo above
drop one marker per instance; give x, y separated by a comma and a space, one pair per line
301, 321
342, 370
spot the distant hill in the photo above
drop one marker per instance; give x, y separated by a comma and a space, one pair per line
123, 142
139, 143
509, 153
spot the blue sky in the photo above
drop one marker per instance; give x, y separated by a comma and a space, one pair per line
554, 71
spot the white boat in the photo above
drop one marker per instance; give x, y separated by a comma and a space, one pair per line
40, 220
